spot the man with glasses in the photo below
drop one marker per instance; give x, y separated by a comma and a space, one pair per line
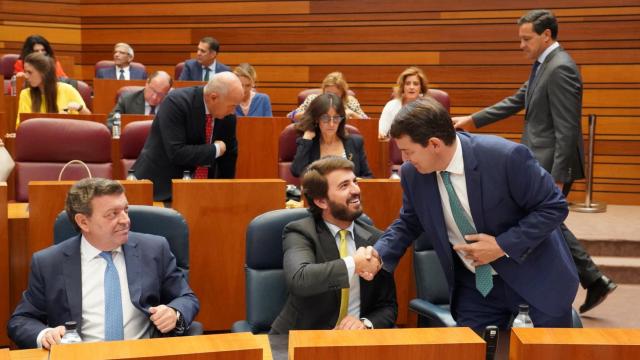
122, 58
145, 101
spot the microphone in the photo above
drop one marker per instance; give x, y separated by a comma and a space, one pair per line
491, 338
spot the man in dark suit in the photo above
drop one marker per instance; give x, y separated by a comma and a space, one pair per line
321, 263
552, 98
205, 64
195, 131
493, 216
141, 292
122, 57
145, 101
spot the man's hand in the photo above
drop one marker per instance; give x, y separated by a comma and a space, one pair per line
484, 250
222, 147
350, 323
463, 122
368, 262
164, 318
52, 337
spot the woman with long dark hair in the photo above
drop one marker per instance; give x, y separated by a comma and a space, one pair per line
36, 43
44, 94
323, 134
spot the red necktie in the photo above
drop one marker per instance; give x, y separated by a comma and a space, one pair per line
202, 172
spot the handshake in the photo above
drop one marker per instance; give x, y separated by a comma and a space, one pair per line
368, 262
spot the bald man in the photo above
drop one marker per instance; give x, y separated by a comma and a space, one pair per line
194, 130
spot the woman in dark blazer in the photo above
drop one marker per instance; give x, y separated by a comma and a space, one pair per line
323, 134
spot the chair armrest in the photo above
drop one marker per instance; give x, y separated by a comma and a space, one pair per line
240, 326
432, 311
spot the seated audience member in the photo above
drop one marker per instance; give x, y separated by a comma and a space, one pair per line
146, 101
411, 84
122, 57
44, 94
205, 64
321, 263
36, 43
323, 134
195, 131
334, 83
253, 103
89, 278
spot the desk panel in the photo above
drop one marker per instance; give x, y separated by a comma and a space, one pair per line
218, 212
258, 146
583, 344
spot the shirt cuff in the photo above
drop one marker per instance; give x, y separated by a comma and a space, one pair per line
351, 266
40, 336
217, 149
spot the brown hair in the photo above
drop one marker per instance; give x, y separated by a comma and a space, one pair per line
314, 180
398, 88
46, 66
310, 120
82, 192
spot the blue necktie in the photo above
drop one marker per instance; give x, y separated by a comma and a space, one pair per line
113, 325
532, 77
484, 279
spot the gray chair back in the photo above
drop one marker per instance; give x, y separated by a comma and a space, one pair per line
144, 219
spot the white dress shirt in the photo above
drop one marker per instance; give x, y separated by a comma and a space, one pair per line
127, 73
548, 51
354, 279
458, 180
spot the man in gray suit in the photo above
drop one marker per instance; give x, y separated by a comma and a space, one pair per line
321, 263
552, 99
145, 101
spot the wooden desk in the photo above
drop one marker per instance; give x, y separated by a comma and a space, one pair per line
4, 266
106, 90
240, 346
10, 106
382, 200
31, 354
583, 344
218, 212
46, 200
258, 146
405, 344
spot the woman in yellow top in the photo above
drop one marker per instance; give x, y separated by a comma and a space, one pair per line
44, 93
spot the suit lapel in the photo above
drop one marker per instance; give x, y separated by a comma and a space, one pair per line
474, 182
531, 87
72, 273
132, 261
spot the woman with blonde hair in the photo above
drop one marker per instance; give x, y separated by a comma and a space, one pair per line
334, 83
253, 103
411, 84
44, 94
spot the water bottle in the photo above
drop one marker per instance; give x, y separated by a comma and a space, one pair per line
131, 175
115, 130
71, 335
186, 175
13, 85
522, 320
394, 175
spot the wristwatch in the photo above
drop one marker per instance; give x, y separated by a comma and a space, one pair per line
367, 323
180, 325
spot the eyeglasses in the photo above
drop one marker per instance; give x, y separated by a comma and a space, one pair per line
336, 119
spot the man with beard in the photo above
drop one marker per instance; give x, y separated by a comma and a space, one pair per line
321, 263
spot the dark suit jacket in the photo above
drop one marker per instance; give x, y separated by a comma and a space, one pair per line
512, 198
132, 103
110, 73
193, 70
177, 143
315, 275
552, 128
54, 294
308, 151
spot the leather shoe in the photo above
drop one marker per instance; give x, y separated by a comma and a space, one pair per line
597, 292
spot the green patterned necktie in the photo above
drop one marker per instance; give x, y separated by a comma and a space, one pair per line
484, 279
